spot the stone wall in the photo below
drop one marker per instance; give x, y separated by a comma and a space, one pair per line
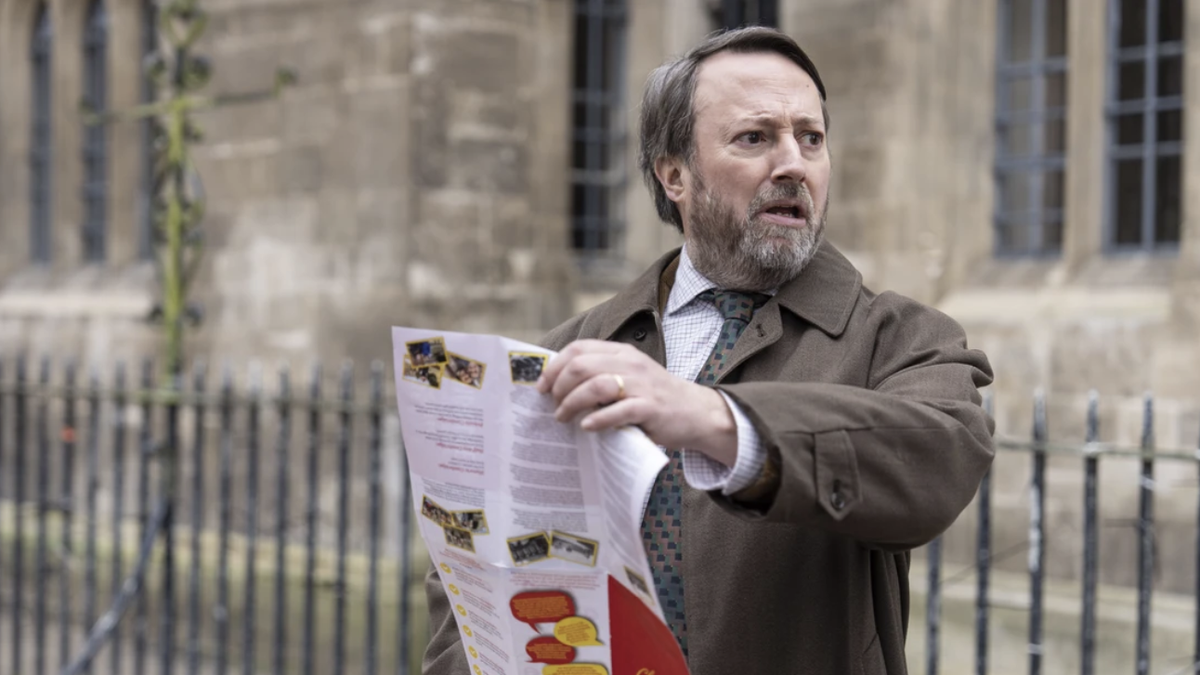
414, 175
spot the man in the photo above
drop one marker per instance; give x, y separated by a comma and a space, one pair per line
818, 431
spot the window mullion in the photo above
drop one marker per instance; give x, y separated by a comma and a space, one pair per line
40, 154
1038, 138
593, 81
1149, 126
95, 149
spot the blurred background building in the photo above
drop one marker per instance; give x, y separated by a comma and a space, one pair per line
470, 165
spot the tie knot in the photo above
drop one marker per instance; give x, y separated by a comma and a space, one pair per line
737, 305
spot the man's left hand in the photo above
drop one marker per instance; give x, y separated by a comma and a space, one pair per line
614, 385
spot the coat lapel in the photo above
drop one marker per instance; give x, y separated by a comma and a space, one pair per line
823, 295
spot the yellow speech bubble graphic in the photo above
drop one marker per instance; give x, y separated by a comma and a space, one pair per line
461, 610
446, 568
454, 589
577, 632
474, 654
576, 669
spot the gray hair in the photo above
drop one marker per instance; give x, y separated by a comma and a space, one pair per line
668, 114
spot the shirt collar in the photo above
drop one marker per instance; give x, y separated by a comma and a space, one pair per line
689, 283
824, 294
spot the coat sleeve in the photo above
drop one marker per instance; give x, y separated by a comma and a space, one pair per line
444, 655
892, 464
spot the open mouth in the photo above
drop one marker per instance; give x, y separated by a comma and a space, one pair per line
785, 211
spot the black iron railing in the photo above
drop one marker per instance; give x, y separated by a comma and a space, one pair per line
282, 542
1090, 452
265, 556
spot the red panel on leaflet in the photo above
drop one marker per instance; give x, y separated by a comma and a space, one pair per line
641, 643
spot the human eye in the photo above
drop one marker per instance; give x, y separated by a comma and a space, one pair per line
812, 139
752, 138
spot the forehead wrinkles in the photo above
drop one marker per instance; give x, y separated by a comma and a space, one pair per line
729, 86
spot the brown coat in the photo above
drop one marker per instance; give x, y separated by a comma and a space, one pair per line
870, 405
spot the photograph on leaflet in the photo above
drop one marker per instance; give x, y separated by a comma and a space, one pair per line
431, 510
529, 549
471, 521
431, 352
460, 539
526, 367
430, 376
573, 548
465, 371
637, 581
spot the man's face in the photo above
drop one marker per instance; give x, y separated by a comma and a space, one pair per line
754, 196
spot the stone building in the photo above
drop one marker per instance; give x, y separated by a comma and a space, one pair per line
469, 165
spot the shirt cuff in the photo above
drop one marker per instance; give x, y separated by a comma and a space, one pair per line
705, 473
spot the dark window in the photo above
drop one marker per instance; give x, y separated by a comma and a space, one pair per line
146, 195
738, 13
598, 177
1145, 115
1031, 127
40, 170
95, 136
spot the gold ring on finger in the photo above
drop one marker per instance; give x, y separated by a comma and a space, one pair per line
620, 386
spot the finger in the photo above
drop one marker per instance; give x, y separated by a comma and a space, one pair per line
600, 390
630, 412
578, 348
583, 369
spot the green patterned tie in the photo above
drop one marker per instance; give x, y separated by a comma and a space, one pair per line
662, 522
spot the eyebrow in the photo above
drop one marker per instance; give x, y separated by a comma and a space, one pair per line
766, 118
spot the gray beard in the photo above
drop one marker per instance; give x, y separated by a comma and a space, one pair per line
748, 253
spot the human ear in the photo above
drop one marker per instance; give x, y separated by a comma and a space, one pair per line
670, 174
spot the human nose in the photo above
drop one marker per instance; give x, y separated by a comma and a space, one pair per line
789, 162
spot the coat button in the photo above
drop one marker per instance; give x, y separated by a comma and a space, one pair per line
836, 499
639, 334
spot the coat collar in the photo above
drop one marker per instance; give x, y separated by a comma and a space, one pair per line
824, 294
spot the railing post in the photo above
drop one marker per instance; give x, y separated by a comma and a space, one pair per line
403, 625
92, 486
198, 500
346, 400
168, 467
1196, 650
226, 515
18, 588
1145, 537
120, 398
310, 564
67, 439
375, 450
249, 615
1037, 533
43, 496
145, 450
3, 451
983, 554
1090, 539
933, 605
282, 462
